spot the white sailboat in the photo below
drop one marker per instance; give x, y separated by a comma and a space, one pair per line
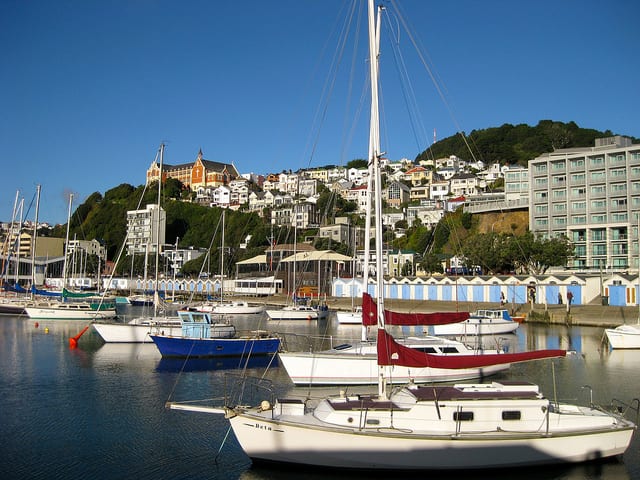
94, 308
624, 336
296, 311
228, 307
465, 426
482, 322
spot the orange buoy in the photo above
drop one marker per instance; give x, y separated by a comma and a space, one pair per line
73, 341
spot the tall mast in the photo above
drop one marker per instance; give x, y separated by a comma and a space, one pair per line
222, 262
155, 293
66, 246
374, 162
34, 239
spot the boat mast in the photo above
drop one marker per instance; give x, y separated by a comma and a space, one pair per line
222, 262
34, 239
66, 247
155, 293
374, 161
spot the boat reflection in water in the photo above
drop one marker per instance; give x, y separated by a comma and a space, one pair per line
172, 364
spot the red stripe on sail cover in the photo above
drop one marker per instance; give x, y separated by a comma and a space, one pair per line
391, 352
370, 315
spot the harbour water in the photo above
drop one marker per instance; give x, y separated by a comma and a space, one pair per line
98, 411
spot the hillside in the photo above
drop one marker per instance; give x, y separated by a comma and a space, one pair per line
104, 217
515, 144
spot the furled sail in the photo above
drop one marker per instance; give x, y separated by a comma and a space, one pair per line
392, 353
370, 315
44, 293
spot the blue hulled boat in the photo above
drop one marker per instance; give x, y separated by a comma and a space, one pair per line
201, 337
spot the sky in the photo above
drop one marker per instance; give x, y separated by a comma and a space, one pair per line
89, 89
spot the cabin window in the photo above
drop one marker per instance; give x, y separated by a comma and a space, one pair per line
511, 415
449, 349
373, 421
462, 416
426, 350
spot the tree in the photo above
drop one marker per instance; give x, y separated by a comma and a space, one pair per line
537, 253
431, 263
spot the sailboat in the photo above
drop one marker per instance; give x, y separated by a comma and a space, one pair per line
297, 310
14, 298
624, 336
461, 426
353, 316
228, 307
91, 307
356, 363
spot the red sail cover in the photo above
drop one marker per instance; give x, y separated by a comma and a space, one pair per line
392, 353
370, 315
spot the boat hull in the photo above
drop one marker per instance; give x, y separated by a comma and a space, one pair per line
214, 347
52, 313
624, 336
282, 441
292, 314
476, 327
349, 318
305, 368
127, 333
230, 308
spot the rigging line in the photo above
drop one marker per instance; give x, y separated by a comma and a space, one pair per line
432, 75
330, 82
408, 91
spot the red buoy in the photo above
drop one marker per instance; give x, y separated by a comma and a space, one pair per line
73, 341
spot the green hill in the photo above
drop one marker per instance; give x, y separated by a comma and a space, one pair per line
514, 144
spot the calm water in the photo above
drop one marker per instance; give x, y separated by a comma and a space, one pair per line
98, 411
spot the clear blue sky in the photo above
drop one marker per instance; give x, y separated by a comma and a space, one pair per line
89, 88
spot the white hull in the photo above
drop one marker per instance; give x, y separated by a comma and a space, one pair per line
231, 308
349, 318
624, 336
135, 333
68, 311
477, 326
306, 368
293, 314
362, 432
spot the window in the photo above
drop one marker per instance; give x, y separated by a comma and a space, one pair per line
578, 192
541, 209
559, 193
577, 163
578, 205
600, 218
559, 207
598, 204
559, 179
541, 181
541, 195
511, 415
462, 416
579, 219
618, 187
599, 250
540, 168
618, 172
578, 178
596, 161
598, 176
597, 190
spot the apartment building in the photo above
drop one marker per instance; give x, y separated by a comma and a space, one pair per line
145, 229
591, 195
